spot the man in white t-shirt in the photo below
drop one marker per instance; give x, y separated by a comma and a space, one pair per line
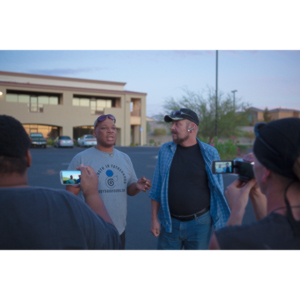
116, 175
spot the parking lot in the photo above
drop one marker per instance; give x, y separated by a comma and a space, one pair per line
47, 164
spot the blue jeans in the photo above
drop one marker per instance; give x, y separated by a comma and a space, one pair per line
194, 234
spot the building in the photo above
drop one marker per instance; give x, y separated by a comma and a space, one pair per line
69, 106
257, 115
281, 113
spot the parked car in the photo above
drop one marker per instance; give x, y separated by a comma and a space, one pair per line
87, 140
37, 140
63, 141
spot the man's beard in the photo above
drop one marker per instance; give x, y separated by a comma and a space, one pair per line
179, 140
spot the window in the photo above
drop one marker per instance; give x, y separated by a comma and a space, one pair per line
46, 131
35, 101
97, 105
11, 98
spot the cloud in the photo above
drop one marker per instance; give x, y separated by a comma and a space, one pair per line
64, 71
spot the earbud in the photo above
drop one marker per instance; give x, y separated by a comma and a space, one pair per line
190, 129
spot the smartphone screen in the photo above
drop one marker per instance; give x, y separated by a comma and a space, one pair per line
70, 177
222, 167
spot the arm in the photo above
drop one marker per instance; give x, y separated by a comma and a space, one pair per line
237, 195
259, 202
155, 195
142, 184
214, 245
258, 199
155, 226
89, 187
73, 189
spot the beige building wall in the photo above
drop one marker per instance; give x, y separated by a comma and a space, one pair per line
281, 114
67, 116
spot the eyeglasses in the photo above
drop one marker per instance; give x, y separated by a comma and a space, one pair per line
104, 117
257, 127
177, 113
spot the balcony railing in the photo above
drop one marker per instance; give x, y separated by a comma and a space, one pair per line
136, 113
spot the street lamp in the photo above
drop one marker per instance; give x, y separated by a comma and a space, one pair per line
234, 91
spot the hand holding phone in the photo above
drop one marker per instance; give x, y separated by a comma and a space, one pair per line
70, 177
89, 184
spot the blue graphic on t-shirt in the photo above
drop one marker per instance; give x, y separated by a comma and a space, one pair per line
110, 180
109, 173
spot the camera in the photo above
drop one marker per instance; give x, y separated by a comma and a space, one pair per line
242, 168
70, 177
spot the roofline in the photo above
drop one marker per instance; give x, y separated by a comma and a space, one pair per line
254, 108
61, 78
284, 109
64, 88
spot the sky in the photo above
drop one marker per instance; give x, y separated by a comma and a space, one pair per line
265, 78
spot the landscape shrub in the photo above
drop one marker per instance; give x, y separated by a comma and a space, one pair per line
160, 131
228, 150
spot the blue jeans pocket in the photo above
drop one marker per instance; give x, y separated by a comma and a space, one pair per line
205, 219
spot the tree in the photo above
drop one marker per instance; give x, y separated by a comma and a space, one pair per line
229, 119
267, 116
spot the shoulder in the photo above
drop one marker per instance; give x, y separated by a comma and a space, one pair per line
122, 155
56, 192
47, 194
210, 150
206, 146
85, 153
168, 145
247, 236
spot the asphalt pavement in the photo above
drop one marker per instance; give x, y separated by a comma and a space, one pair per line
47, 164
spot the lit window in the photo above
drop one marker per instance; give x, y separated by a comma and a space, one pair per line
53, 100
84, 102
12, 98
24, 99
75, 101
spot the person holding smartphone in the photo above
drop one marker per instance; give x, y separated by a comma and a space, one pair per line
44, 218
274, 193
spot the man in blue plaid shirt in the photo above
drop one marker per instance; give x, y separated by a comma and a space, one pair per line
187, 199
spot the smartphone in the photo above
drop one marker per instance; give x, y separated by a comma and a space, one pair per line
70, 177
222, 167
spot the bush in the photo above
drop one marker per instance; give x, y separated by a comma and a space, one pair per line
249, 135
49, 142
228, 150
160, 131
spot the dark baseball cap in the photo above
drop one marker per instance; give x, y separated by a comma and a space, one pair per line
277, 145
182, 114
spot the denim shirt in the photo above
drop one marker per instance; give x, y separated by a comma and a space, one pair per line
219, 208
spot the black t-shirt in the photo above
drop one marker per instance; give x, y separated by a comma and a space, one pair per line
43, 218
188, 182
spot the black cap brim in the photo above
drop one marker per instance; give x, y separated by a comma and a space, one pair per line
169, 119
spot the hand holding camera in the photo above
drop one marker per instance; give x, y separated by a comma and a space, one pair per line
242, 168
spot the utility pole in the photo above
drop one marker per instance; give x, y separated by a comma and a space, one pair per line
234, 91
216, 125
